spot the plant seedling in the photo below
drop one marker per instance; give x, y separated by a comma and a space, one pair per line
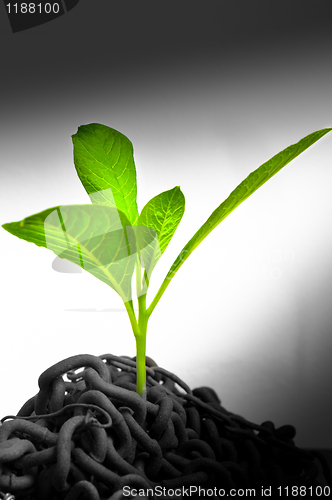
110, 239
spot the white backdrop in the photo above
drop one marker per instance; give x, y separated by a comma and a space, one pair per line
249, 312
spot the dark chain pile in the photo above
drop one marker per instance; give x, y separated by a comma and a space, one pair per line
87, 434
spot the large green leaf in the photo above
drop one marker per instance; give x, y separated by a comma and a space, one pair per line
160, 217
254, 180
105, 165
92, 236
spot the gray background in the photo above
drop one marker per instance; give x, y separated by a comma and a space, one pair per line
206, 91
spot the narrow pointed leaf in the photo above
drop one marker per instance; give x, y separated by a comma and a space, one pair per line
105, 165
160, 216
254, 180
92, 236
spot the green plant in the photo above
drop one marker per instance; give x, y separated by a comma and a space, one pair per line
111, 239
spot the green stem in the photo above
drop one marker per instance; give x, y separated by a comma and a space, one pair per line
131, 313
184, 254
158, 296
141, 345
161, 290
140, 364
138, 276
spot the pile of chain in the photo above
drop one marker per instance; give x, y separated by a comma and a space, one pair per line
87, 434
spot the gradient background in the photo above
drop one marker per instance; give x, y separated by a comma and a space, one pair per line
206, 91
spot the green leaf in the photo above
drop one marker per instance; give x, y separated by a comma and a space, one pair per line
92, 236
254, 180
160, 217
105, 165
